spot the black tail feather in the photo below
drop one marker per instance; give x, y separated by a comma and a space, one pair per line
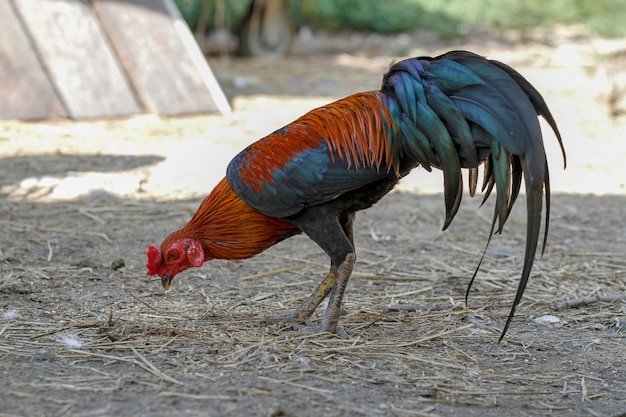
490, 106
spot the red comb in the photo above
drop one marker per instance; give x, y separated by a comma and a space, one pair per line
154, 260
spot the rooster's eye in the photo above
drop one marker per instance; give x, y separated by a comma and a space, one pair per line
172, 256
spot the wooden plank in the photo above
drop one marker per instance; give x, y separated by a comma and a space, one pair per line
80, 62
25, 91
161, 57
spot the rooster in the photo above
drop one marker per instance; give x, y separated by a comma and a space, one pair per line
458, 110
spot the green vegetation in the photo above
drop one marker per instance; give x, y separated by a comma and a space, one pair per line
449, 18
606, 17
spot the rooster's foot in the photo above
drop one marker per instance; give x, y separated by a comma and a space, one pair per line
298, 316
295, 316
337, 329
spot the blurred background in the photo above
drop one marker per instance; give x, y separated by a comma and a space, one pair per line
124, 76
224, 24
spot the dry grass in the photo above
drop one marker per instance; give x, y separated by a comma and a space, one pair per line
80, 336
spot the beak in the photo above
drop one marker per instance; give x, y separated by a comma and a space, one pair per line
166, 280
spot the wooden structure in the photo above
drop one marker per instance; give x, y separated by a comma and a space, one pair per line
101, 58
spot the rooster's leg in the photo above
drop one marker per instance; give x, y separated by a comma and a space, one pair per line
334, 235
303, 313
343, 272
330, 323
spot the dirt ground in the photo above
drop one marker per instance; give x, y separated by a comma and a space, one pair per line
84, 332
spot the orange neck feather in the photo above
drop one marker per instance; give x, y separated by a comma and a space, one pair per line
229, 229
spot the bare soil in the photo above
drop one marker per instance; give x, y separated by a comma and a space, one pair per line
84, 332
